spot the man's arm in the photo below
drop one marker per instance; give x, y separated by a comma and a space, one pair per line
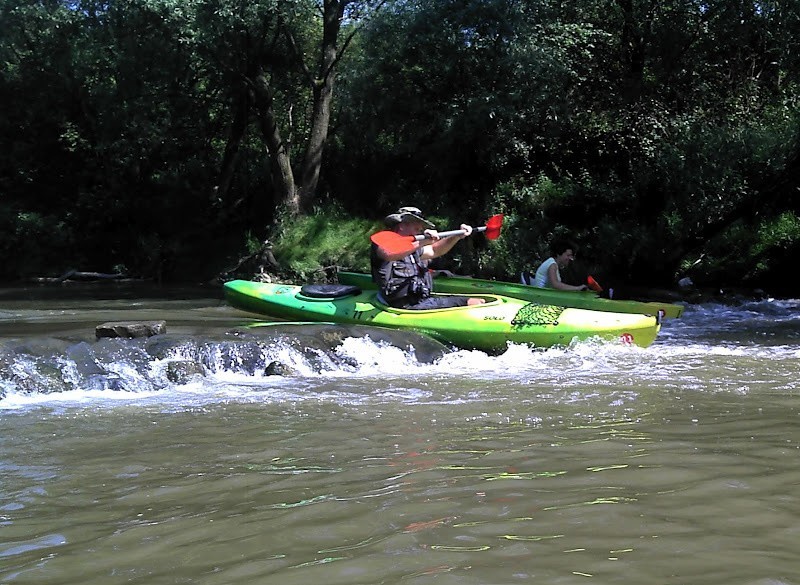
442, 246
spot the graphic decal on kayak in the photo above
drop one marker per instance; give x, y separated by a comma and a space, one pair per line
536, 314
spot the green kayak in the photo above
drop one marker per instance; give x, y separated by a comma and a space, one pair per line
563, 298
488, 327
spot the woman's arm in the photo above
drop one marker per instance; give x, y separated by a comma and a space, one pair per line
554, 282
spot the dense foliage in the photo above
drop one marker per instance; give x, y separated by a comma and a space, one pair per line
163, 137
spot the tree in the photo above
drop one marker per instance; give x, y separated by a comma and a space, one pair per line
119, 115
280, 58
645, 127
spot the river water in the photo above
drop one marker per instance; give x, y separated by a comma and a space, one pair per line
382, 462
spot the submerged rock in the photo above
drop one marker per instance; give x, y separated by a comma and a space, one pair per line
103, 381
131, 329
328, 336
51, 365
278, 369
180, 371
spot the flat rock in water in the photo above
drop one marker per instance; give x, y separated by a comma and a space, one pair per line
131, 329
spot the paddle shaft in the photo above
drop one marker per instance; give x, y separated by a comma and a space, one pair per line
420, 237
394, 243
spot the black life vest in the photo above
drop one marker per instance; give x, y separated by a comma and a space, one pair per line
402, 282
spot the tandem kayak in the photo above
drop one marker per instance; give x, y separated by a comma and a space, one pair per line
563, 298
488, 327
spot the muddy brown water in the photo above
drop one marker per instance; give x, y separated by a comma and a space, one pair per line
597, 463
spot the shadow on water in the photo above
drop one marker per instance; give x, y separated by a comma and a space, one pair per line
107, 290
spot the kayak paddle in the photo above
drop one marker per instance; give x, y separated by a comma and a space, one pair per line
593, 284
395, 243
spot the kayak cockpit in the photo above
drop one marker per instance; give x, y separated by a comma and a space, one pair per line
326, 292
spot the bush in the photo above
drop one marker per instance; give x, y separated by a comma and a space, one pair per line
311, 246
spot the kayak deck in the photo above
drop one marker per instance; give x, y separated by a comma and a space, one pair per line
574, 299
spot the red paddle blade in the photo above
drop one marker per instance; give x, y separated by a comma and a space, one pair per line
392, 242
493, 226
593, 284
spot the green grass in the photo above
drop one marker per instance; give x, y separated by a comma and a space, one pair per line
310, 246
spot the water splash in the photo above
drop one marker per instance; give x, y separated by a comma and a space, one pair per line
695, 352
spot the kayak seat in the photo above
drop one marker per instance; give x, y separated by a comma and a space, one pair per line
526, 278
329, 291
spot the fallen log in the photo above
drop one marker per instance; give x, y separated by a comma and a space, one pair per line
84, 275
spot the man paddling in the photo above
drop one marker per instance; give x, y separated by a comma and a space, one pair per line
401, 272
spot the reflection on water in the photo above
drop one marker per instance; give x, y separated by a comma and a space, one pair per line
676, 463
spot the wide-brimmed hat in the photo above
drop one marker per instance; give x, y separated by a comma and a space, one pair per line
407, 214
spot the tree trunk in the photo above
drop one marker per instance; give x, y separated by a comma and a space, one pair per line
632, 52
323, 96
312, 161
230, 158
278, 149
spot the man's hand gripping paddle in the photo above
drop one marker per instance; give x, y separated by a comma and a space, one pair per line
394, 243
